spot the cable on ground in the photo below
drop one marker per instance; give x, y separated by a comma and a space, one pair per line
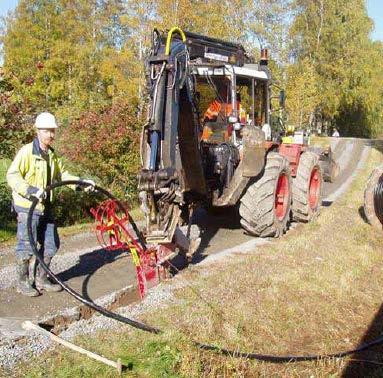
154, 330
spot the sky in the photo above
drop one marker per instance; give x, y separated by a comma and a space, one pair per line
375, 11
6, 5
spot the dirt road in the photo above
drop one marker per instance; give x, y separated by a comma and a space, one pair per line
96, 273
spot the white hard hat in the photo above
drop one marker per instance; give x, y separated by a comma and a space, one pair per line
45, 121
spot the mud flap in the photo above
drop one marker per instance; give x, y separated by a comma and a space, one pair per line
253, 151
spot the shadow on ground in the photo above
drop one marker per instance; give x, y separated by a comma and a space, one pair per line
210, 222
362, 214
88, 264
370, 362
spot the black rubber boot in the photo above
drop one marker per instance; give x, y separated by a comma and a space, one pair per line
42, 281
24, 287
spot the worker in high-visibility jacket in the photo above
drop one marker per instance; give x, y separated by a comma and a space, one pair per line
35, 167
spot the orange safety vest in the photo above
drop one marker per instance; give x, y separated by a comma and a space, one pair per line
216, 107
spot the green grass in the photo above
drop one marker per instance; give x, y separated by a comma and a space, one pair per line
320, 141
316, 290
8, 232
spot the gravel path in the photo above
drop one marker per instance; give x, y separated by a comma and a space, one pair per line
60, 264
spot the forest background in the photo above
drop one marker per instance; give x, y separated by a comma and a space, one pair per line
83, 60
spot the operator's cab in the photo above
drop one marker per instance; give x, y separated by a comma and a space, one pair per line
231, 98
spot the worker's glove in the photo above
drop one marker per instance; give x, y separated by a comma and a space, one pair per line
40, 194
90, 186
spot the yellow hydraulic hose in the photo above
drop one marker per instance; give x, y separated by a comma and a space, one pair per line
173, 30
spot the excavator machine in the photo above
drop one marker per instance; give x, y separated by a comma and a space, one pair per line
208, 142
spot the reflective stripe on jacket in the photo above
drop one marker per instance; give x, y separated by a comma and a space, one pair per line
29, 170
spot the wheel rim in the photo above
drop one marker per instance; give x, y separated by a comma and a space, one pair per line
282, 196
314, 188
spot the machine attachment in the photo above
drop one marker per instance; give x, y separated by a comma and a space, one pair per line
114, 230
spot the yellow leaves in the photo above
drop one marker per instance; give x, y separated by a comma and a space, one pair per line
302, 94
93, 51
334, 36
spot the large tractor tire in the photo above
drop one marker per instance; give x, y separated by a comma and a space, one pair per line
369, 197
307, 188
265, 207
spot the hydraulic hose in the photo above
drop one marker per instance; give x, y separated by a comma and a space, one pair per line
67, 288
173, 30
378, 199
150, 329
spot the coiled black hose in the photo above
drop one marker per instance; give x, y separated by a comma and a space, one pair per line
150, 329
378, 199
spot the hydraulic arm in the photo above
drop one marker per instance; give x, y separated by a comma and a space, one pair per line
172, 165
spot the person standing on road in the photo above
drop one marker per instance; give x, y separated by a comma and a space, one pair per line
35, 167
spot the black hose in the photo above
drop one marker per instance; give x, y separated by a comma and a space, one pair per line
150, 329
378, 199
285, 359
68, 289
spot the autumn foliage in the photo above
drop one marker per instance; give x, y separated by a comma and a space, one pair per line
84, 61
106, 144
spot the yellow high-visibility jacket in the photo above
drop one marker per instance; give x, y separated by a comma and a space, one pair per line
28, 171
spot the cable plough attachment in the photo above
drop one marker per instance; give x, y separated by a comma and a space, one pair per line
116, 230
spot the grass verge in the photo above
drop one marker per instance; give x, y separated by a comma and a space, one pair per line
317, 290
8, 233
321, 141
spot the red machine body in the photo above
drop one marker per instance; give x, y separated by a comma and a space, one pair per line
291, 151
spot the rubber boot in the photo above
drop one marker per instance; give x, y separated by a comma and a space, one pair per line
42, 281
24, 287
